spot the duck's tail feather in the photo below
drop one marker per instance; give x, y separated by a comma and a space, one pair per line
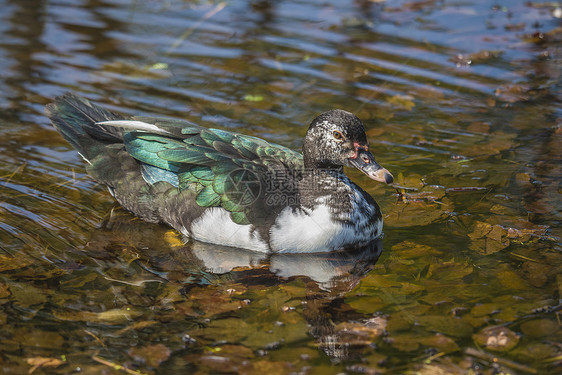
76, 119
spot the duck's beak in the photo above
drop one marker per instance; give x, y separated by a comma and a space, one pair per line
365, 162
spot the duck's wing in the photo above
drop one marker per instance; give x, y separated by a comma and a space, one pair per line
225, 169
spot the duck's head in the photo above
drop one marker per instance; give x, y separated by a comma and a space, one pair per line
337, 138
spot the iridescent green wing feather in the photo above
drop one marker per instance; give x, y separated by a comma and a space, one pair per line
225, 169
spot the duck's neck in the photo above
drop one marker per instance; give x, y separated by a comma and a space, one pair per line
323, 183
332, 188
320, 166
326, 170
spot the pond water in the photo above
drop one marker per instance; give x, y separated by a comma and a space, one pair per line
462, 103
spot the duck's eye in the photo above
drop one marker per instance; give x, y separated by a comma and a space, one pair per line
337, 135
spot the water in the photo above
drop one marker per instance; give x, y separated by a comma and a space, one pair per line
461, 101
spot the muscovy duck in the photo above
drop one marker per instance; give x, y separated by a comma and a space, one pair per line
227, 188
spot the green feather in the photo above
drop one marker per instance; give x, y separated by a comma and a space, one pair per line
229, 205
209, 136
227, 149
218, 157
206, 182
239, 218
153, 159
184, 155
219, 183
224, 135
189, 185
253, 142
199, 187
238, 144
192, 130
270, 151
207, 197
222, 168
155, 139
242, 186
229, 167
260, 151
145, 147
187, 177
202, 173
195, 140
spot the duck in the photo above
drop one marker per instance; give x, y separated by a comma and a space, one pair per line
227, 188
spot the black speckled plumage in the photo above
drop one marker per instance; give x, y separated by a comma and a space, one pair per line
227, 188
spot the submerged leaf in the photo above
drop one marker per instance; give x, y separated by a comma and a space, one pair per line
404, 343
440, 342
113, 316
39, 362
352, 332
4, 290
8, 262
414, 213
152, 355
447, 325
27, 295
35, 338
412, 250
402, 101
447, 271
488, 239
540, 328
511, 280
500, 339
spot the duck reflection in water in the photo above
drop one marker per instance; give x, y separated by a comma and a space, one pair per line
328, 276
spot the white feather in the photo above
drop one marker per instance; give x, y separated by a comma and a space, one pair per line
83, 157
215, 226
303, 231
314, 230
134, 125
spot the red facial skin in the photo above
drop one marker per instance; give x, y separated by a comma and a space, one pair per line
368, 165
358, 147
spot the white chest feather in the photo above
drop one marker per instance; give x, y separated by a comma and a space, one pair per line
215, 226
314, 230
